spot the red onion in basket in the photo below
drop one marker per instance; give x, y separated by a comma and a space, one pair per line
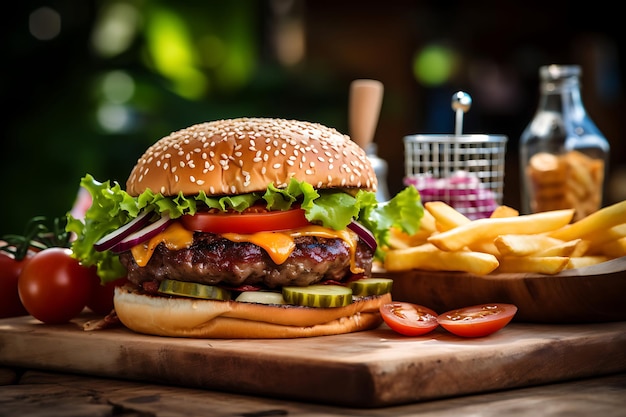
462, 190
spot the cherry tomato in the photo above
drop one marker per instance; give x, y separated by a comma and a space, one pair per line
54, 287
10, 269
477, 321
101, 301
409, 319
245, 223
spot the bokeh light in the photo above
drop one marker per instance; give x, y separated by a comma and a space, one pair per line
115, 28
44, 23
434, 64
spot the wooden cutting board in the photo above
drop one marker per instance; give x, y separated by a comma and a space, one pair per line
368, 369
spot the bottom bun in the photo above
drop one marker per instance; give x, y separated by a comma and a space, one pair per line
186, 317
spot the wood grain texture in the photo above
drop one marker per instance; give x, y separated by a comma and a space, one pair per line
586, 295
368, 369
51, 394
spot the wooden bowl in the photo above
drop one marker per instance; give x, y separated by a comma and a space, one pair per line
585, 295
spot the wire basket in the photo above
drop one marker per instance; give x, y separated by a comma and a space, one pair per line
465, 171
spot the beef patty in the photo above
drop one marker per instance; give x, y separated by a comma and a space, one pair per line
212, 259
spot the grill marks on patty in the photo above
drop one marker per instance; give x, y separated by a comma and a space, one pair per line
212, 259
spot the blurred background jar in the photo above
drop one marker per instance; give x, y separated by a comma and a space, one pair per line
563, 155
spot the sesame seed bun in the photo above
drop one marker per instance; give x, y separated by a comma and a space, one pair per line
195, 318
237, 156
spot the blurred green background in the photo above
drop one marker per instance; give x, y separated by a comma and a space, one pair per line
88, 85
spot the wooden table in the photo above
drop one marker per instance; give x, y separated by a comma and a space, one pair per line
525, 368
36, 393
371, 369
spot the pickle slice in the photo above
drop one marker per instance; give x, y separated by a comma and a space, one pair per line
371, 286
261, 297
193, 290
318, 295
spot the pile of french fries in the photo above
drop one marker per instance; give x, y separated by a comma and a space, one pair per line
507, 242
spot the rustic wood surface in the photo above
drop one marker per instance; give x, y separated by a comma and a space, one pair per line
367, 369
35, 394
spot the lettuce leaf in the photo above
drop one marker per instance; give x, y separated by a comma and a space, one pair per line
112, 207
404, 211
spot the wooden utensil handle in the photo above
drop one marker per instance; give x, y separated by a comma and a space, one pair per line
366, 98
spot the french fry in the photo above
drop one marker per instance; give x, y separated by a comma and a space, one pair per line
602, 236
398, 239
485, 246
446, 217
504, 211
614, 249
428, 223
507, 242
522, 245
485, 229
430, 258
582, 261
537, 264
603, 219
570, 248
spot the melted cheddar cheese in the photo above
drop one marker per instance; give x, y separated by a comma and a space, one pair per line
174, 237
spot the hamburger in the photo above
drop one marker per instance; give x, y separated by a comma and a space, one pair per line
244, 228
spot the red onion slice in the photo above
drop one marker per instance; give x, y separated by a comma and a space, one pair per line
364, 234
115, 237
142, 235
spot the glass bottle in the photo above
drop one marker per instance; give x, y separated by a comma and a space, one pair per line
563, 155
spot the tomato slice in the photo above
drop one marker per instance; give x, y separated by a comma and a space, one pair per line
409, 319
245, 223
477, 321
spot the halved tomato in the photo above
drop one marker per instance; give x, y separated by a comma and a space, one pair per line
245, 223
409, 319
477, 321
